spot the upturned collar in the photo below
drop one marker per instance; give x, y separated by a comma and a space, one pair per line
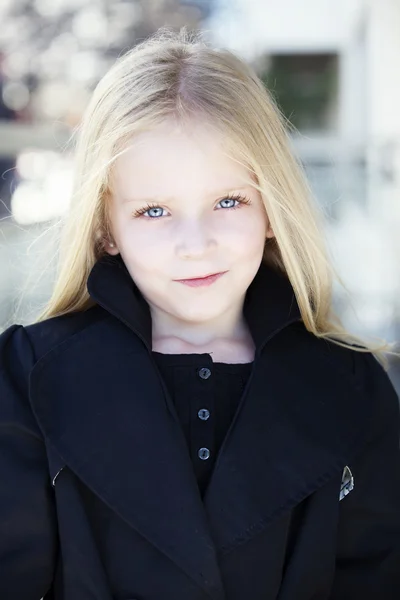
270, 303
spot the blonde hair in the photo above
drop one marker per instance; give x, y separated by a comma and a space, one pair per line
178, 75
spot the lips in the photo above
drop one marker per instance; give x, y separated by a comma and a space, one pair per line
202, 281
200, 278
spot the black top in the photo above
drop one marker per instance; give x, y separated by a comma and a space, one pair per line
206, 396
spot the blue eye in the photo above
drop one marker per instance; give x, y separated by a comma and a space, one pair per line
230, 201
155, 209
147, 209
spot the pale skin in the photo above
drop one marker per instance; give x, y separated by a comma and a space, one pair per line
194, 227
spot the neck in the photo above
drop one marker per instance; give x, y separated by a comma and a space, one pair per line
171, 335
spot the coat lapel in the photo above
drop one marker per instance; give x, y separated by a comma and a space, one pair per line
297, 428
101, 406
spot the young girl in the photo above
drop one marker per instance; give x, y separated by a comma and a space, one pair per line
187, 420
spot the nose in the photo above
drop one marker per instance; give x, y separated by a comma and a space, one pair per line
194, 239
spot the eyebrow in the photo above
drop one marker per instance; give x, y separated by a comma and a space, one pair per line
172, 199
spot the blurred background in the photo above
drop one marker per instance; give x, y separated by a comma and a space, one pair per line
332, 66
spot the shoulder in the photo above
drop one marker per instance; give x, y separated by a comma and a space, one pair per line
21, 347
374, 396
50, 333
24, 345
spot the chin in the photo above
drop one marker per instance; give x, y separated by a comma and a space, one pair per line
198, 314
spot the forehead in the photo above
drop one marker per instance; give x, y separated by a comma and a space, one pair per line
170, 160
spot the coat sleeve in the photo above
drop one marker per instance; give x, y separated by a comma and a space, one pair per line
27, 514
368, 549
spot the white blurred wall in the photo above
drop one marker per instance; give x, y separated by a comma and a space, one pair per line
288, 25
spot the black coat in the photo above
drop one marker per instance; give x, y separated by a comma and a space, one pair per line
98, 500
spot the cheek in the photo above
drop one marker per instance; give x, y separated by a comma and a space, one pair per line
143, 247
247, 232
137, 236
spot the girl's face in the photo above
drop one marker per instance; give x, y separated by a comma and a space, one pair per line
181, 210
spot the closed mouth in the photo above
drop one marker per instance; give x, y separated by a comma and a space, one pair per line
200, 278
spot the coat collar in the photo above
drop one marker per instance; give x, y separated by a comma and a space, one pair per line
270, 303
105, 414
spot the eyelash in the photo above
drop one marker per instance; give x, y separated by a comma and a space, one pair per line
238, 197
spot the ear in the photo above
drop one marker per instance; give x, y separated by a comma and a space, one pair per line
270, 232
111, 248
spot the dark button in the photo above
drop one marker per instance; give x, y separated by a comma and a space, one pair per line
204, 373
204, 453
203, 414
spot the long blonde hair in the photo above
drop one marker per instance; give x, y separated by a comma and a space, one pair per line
179, 75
